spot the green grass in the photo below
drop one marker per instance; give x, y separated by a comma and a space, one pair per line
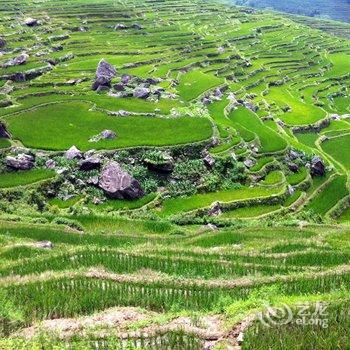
20, 178
4, 143
298, 177
339, 149
195, 82
73, 124
250, 212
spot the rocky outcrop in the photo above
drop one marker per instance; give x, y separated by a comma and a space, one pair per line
2, 43
105, 72
209, 161
118, 184
20, 162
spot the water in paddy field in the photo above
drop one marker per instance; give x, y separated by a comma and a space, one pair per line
334, 9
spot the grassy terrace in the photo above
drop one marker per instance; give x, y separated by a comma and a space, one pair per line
177, 205
21, 178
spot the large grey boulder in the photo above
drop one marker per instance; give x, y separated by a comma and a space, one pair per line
105, 72
118, 184
73, 153
16, 61
20, 162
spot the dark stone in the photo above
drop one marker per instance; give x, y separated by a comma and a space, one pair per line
141, 92
136, 26
31, 22
17, 77
318, 167
118, 184
57, 48
3, 132
125, 79
120, 26
2, 43
293, 167
5, 103
20, 162
119, 87
50, 164
90, 163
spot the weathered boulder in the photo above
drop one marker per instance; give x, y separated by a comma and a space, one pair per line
136, 26
3, 132
119, 87
317, 167
125, 78
90, 163
31, 22
73, 153
141, 92
209, 161
119, 184
20, 162
215, 209
16, 61
105, 72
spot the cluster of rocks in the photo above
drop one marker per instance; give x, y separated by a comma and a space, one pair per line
113, 180
128, 86
215, 95
316, 164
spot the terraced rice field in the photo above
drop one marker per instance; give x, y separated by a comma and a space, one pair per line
173, 175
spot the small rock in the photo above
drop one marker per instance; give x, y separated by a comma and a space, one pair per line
211, 227
50, 164
141, 92
3, 132
44, 245
108, 134
2, 43
119, 87
215, 209
293, 167
125, 79
73, 153
249, 163
209, 161
93, 180
136, 26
